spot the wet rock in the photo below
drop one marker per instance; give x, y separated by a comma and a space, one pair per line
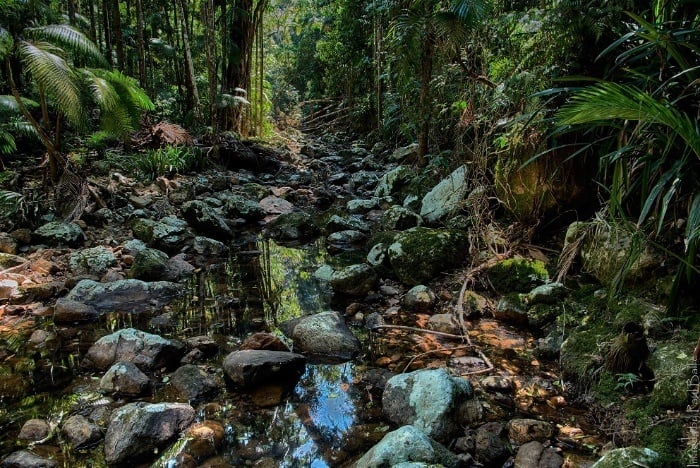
206, 220
68, 311
193, 383
149, 265
292, 226
250, 368
517, 275
398, 218
392, 181
427, 399
237, 206
419, 298
352, 223
324, 337
526, 430
137, 429
535, 455
345, 240
209, 247
124, 378
129, 295
489, 446
34, 430
444, 323
446, 197
628, 456
266, 341
8, 244
204, 438
80, 432
58, 233
549, 293
407, 446
204, 343
143, 349
510, 309
354, 280
497, 383
275, 205
27, 459
419, 254
178, 268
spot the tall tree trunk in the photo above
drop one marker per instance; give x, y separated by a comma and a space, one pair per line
71, 12
190, 77
140, 44
426, 73
210, 51
107, 31
93, 25
117, 38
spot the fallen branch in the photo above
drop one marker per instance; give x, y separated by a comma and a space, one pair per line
421, 330
455, 348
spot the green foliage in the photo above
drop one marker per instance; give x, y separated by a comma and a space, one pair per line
12, 208
167, 161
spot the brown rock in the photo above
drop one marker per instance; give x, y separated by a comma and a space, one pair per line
34, 430
266, 341
527, 430
206, 437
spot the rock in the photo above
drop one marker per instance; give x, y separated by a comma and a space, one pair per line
489, 447
497, 383
446, 197
34, 430
131, 295
206, 220
193, 383
419, 254
93, 261
204, 438
430, 400
8, 244
292, 226
354, 280
58, 233
250, 368
474, 303
237, 206
378, 256
549, 293
68, 311
405, 446
324, 337
392, 181
266, 341
324, 273
517, 275
405, 152
169, 234
526, 430
673, 374
345, 240
398, 218
510, 309
204, 343
178, 268
419, 298
209, 247
354, 223
8, 289
10, 260
80, 432
124, 378
143, 349
27, 459
149, 265
549, 346
133, 246
535, 455
628, 456
444, 323
357, 206
275, 205
137, 429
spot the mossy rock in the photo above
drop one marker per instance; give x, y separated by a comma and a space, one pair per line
627, 457
581, 352
292, 226
142, 229
517, 275
525, 191
540, 315
634, 309
672, 364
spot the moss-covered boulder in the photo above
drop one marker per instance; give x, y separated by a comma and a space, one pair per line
419, 254
581, 352
149, 265
626, 457
672, 364
354, 280
517, 275
57, 233
398, 218
392, 181
292, 226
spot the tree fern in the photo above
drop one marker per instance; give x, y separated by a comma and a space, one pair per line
71, 40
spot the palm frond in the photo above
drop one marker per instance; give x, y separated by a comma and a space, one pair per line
69, 38
57, 77
7, 142
8, 104
470, 12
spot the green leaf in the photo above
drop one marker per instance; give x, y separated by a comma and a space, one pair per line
69, 38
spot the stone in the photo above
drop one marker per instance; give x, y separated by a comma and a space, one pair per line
193, 383
149, 265
209, 247
92, 261
378, 256
535, 455
324, 337
250, 368
430, 400
204, 438
357, 206
57, 234
133, 246
178, 268
517, 275
444, 323
398, 218
136, 430
145, 350
672, 374
510, 309
8, 244
206, 220
628, 456
392, 181
27, 459
292, 226
130, 295
419, 298
80, 432
124, 378
237, 206
549, 293
354, 280
275, 205
489, 447
405, 152
526, 430
266, 341
34, 430
446, 197
407, 446
345, 240
339, 223
419, 254
497, 383
68, 311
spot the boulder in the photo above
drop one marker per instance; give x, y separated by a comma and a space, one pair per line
275, 205
357, 206
339, 223
419, 298
354, 280
27, 459
250, 368
405, 446
68, 311
398, 218
510, 309
430, 400
419, 254
323, 337
206, 220
178, 268
131, 295
392, 181
80, 432
34, 430
193, 383
209, 247
345, 240
93, 261
58, 233
527, 430
628, 456
535, 455
489, 447
292, 226
149, 265
145, 350
446, 197
124, 378
237, 206
136, 430
266, 341
517, 275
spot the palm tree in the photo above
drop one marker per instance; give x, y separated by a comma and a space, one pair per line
428, 26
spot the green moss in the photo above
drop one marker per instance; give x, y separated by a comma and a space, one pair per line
664, 441
540, 315
606, 389
517, 275
582, 350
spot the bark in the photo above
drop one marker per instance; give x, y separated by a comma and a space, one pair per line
140, 44
107, 31
210, 51
426, 73
117, 38
190, 77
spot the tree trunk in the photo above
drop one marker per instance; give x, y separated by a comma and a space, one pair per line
117, 38
426, 73
190, 77
140, 44
210, 51
93, 25
71, 12
107, 30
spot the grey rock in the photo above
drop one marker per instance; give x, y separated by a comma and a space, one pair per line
145, 350
535, 455
27, 459
419, 298
354, 280
489, 447
275, 205
249, 368
392, 181
444, 323
34, 430
339, 223
398, 218
178, 268
345, 240
131, 295
68, 311
406, 446
237, 206
358, 206
510, 309
137, 429
58, 233
325, 337
378, 255
209, 247
133, 246
125, 378
206, 220
446, 197
549, 293
430, 400
626, 457
292, 226
193, 383
149, 265
80, 432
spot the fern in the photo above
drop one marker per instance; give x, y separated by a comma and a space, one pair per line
72, 40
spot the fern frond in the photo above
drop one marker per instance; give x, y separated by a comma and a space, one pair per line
8, 104
69, 38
